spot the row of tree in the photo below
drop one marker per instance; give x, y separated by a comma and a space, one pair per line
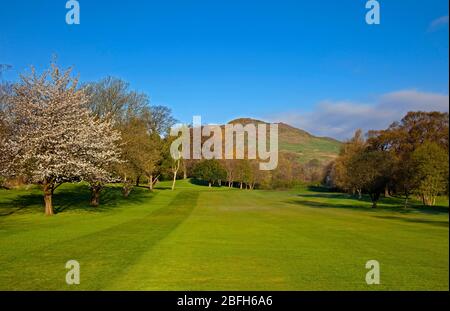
245, 174
53, 130
408, 158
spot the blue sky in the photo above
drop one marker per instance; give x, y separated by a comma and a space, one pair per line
313, 64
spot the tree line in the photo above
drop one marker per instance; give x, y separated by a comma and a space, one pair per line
55, 130
408, 158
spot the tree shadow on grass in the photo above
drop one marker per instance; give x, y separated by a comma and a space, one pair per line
198, 182
387, 204
319, 189
163, 188
72, 198
106, 252
439, 223
394, 203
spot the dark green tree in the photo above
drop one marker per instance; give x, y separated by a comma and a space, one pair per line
210, 171
372, 170
431, 169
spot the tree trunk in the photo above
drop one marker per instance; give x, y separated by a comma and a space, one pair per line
429, 200
126, 191
126, 188
209, 184
374, 197
48, 196
174, 180
184, 169
150, 182
95, 195
241, 185
138, 180
406, 199
386, 192
359, 194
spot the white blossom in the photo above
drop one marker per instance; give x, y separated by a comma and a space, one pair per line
55, 137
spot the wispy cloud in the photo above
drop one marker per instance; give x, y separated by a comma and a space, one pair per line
339, 119
438, 23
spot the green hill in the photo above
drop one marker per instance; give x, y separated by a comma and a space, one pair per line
304, 145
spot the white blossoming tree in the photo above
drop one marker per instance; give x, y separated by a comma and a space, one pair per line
55, 138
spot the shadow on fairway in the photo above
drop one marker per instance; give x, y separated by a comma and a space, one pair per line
105, 253
387, 204
415, 220
72, 198
199, 182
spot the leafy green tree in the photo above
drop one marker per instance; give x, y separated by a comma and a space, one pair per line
243, 172
210, 170
55, 138
288, 172
403, 138
405, 177
143, 128
135, 147
431, 167
340, 173
371, 170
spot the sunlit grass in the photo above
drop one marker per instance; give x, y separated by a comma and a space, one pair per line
219, 238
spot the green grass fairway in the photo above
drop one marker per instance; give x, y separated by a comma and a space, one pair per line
195, 238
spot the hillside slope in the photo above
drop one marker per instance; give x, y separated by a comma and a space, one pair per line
305, 146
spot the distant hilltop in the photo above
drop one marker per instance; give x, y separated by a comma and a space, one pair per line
303, 145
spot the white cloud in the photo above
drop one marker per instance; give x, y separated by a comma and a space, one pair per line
339, 119
438, 23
